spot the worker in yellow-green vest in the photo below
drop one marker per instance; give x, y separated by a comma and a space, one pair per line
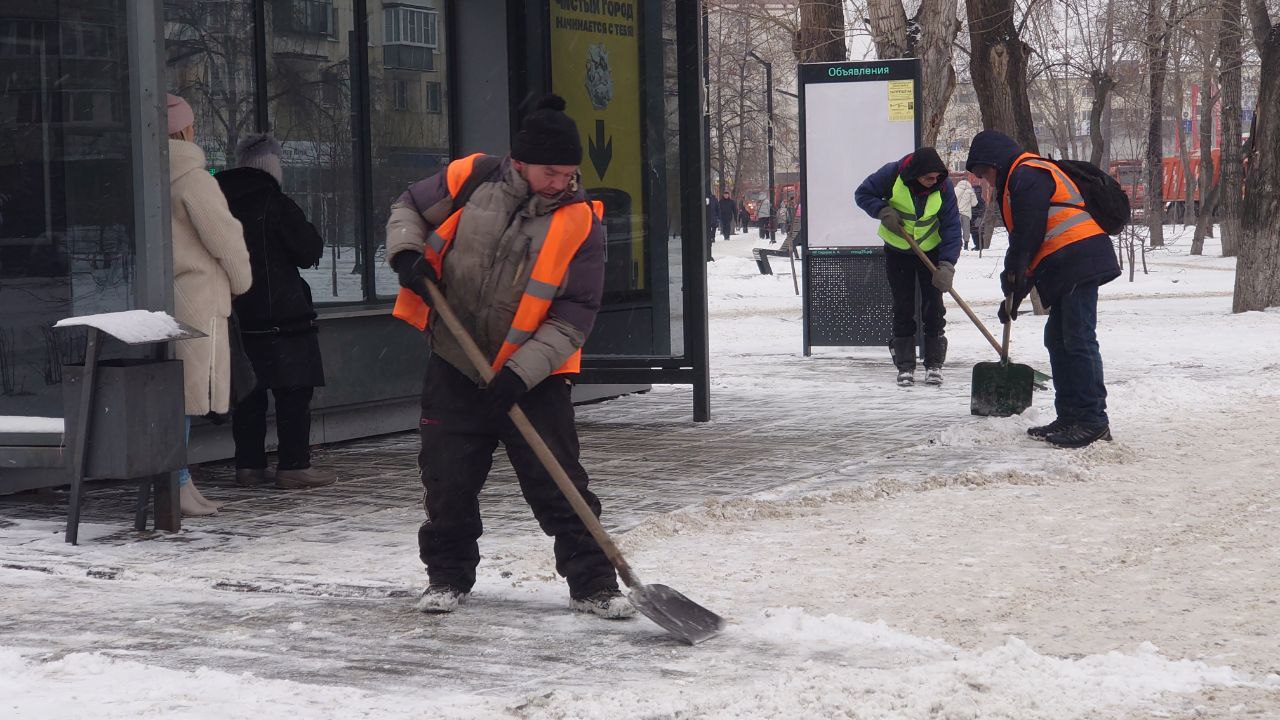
913, 196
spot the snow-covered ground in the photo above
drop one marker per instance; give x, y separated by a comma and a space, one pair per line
977, 574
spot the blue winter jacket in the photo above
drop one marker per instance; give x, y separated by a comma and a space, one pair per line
874, 193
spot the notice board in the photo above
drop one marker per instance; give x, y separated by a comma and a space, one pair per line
854, 118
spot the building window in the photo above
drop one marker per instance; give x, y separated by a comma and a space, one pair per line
410, 26
434, 105
306, 17
401, 94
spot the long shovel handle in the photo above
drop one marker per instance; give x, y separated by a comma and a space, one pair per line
954, 295
531, 436
1008, 329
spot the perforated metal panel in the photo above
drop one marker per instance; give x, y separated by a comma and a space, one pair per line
847, 297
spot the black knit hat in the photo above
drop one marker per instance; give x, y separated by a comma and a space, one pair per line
548, 136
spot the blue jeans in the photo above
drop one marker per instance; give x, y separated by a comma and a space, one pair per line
1074, 358
184, 475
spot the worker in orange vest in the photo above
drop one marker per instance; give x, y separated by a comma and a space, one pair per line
519, 254
1056, 247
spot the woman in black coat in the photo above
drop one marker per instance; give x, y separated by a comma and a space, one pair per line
277, 319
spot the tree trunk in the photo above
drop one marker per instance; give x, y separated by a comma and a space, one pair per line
938, 25
1158, 32
887, 21
1258, 266
821, 34
1102, 84
1232, 172
1184, 152
998, 67
1209, 181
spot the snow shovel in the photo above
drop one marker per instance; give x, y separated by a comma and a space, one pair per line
672, 611
1040, 378
1001, 389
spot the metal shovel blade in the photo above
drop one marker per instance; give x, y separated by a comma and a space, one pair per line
1001, 389
676, 613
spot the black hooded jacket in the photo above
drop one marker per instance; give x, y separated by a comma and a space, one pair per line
874, 193
280, 240
1088, 261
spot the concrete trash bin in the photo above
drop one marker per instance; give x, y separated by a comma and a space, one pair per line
137, 427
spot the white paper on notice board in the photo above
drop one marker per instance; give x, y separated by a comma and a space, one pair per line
848, 135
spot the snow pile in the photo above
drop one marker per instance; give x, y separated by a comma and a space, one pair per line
130, 326
96, 685
22, 424
867, 670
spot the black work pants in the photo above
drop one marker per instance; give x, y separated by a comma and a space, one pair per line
905, 272
457, 453
293, 428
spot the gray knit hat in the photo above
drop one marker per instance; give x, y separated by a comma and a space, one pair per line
261, 151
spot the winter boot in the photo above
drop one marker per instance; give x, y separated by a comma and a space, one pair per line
303, 478
903, 352
439, 598
610, 604
189, 502
1078, 435
1040, 432
935, 354
252, 477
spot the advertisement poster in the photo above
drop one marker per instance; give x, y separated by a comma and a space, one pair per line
595, 67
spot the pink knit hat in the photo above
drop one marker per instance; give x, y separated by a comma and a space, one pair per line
180, 115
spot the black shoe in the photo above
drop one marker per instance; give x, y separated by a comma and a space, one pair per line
441, 598
1041, 432
1078, 435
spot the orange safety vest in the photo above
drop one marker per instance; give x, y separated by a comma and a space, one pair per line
1068, 220
570, 227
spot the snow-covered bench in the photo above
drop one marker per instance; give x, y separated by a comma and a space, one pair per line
42, 452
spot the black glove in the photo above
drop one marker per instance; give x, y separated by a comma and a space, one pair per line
1009, 311
1014, 281
501, 393
891, 220
412, 267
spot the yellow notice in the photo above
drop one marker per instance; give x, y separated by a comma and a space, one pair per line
902, 100
595, 67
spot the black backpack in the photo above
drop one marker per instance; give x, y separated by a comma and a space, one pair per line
1104, 198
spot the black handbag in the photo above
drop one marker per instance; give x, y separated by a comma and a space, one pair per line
243, 378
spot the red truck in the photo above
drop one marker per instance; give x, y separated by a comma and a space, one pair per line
1174, 187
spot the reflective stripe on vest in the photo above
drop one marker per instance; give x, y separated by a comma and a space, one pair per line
1068, 220
410, 307
570, 227
925, 229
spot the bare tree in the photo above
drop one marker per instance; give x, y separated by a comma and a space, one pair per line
998, 66
930, 36
1258, 268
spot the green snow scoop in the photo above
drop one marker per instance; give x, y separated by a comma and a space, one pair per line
672, 611
1001, 389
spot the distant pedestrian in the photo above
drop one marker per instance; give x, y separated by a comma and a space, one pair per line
764, 218
277, 319
713, 221
210, 265
744, 215
728, 211
977, 229
966, 199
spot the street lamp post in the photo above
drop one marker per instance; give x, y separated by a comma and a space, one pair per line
768, 84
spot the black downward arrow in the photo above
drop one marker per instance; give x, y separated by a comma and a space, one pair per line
601, 152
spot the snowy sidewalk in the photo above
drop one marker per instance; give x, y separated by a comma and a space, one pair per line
878, 552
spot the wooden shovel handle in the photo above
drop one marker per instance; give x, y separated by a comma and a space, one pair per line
954, 295
531, 436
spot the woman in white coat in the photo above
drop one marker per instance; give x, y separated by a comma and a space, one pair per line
966, 200
210, 264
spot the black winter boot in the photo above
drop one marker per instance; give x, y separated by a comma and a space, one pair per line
903, 352
935, 354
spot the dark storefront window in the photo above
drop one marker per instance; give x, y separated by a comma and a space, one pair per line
66, 200
409, 126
